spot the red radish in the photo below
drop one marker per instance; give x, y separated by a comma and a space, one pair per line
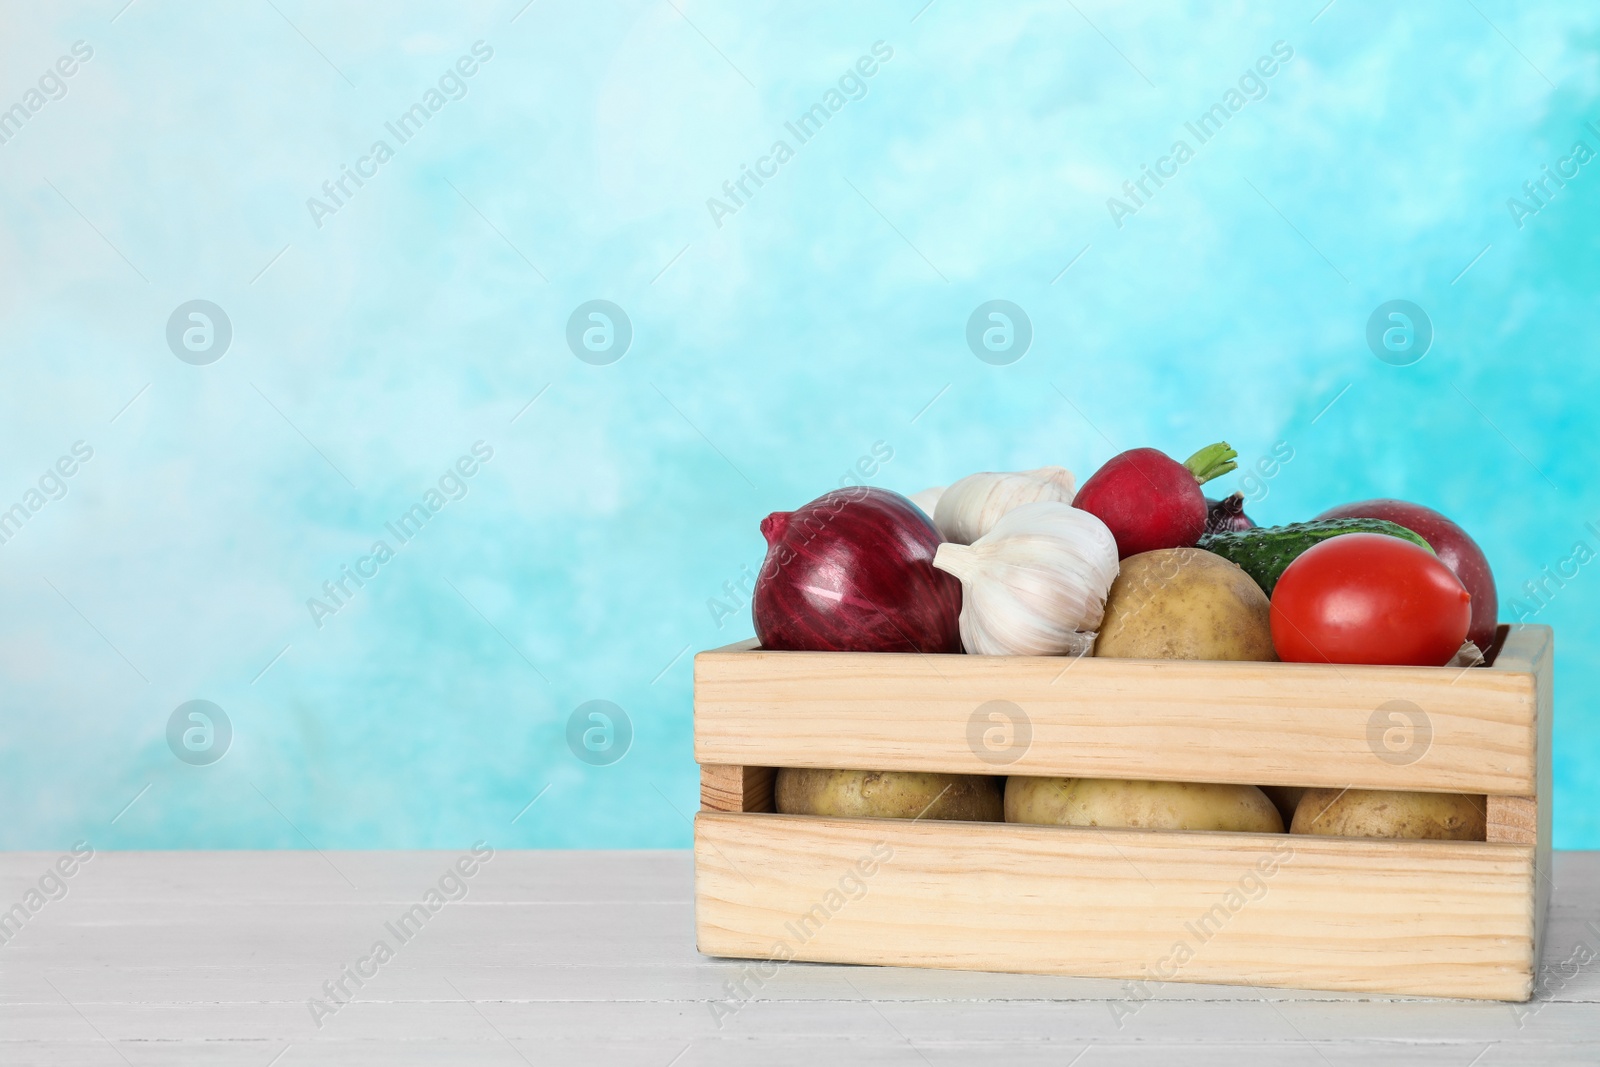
852, 571
1455, 549
1150, 500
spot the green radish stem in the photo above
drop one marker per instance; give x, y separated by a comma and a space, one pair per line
1212, 461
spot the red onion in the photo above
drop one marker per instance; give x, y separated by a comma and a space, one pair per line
1227, 515
852, 571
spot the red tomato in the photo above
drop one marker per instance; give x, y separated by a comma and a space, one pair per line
1456, 548
1369, 598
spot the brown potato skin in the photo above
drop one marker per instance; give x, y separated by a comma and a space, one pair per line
1185, 603
1392, 814
888, 795
1140, 805
1285, 798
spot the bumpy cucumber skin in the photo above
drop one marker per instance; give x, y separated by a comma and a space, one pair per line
1265, 552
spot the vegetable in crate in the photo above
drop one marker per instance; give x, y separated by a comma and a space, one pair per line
887, 794
1285, 798
1035, 584
928, 499
852, 571
1455, 548
1369, 598
1266, 551
1149, 500
1140, 805
1387, 813
1184, 603
1227, 514
970, 508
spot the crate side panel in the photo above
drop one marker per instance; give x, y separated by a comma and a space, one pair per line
724, 788
1250, 723
1414, 918
1544, 881
1524, 648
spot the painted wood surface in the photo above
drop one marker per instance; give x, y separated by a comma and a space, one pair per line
588, 958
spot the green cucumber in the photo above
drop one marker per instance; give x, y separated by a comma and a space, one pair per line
1265, 552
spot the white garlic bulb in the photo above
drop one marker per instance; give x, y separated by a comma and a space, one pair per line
928, 499
970, 508
1035, 584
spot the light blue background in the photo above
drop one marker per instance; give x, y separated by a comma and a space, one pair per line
770, 352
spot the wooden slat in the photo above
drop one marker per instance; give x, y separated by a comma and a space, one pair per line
1513, 819
1524, 649
1407, 917
1527, 819
1542, 661
725, 788
1250, 723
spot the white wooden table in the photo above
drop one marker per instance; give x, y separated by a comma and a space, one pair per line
588, 958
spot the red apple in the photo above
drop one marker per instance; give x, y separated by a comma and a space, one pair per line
1455, 550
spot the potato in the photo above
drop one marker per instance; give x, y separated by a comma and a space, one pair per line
1143, 805
1285, 798
1184, 603
1387, 813
888, 795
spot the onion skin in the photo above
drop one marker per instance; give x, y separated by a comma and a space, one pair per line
1227, 514
852, 571
1455, 548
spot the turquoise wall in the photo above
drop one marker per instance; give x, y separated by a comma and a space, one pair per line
400, 358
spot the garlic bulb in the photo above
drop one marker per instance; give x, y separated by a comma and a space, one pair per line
970, 508
928, 499
1035, 584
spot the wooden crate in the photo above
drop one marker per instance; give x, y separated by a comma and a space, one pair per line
1430, 918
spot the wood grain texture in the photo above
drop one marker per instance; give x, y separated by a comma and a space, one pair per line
725, 788
1514, 820
1407, 917
1527, 819
1540, 656
1250, 723
588, 958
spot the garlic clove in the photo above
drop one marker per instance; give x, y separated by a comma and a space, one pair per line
969, 508
928, 499
1035, 584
